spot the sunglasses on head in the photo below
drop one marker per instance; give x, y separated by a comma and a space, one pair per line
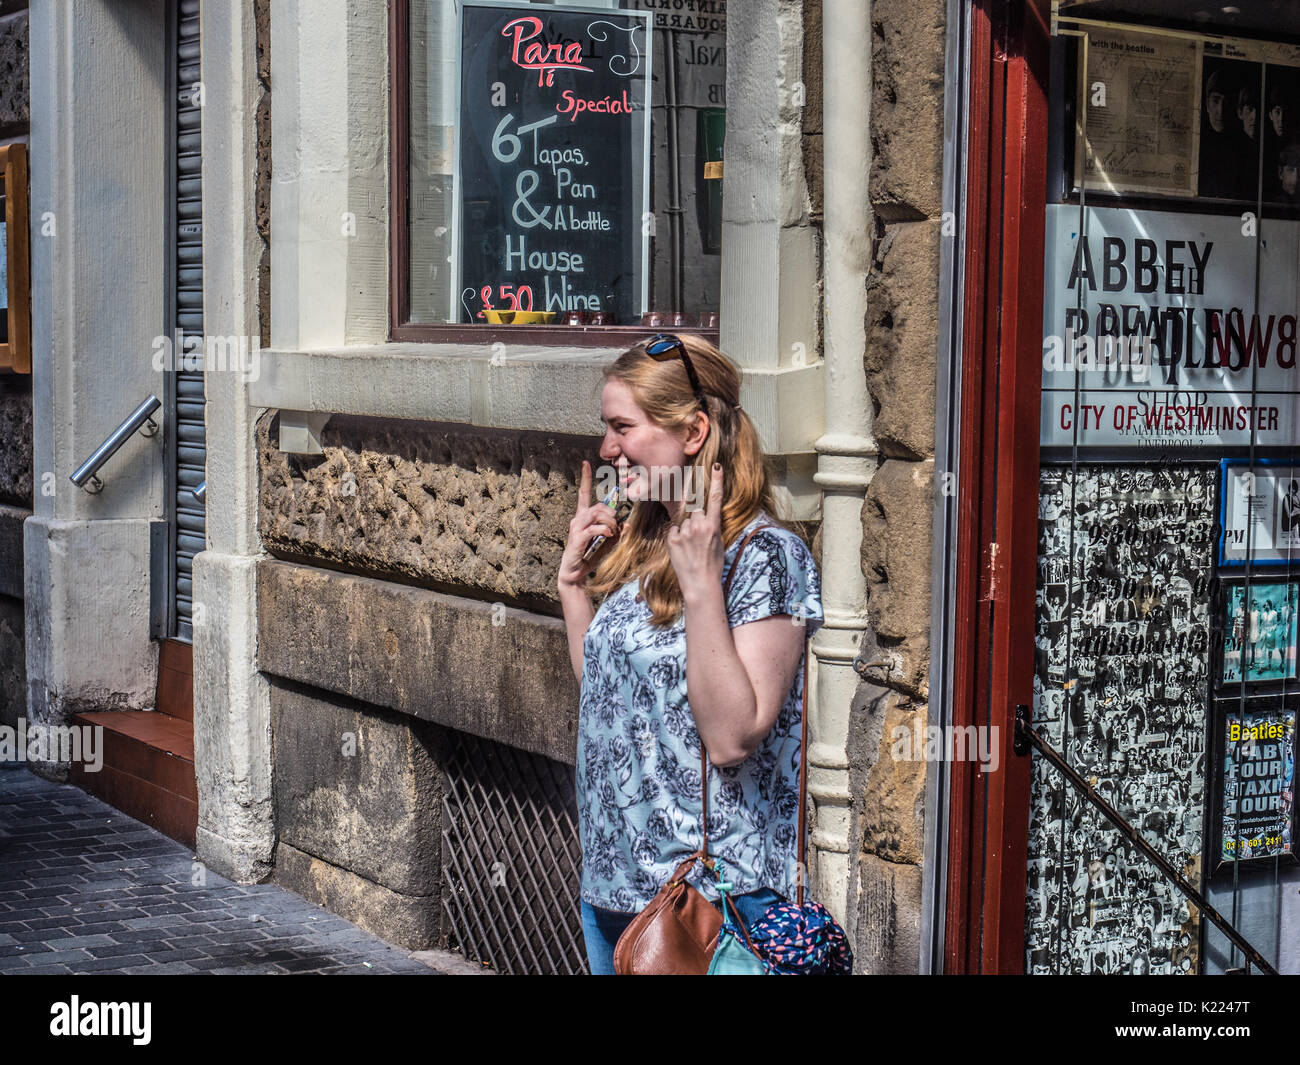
665, 346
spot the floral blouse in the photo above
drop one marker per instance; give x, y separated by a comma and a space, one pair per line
638, 771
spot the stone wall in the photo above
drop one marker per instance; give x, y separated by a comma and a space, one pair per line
14, 91
477, 511
812, 109
438, 527
499, 673
369, 667
358, 812
902, 344
16, 440
13, 672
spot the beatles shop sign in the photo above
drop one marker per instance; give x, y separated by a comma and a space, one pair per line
1163, 329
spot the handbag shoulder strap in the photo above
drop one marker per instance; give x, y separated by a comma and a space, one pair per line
704, 756
801, 860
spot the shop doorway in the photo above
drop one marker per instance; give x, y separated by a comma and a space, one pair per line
148, 768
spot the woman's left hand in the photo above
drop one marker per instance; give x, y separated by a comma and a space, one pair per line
695, 546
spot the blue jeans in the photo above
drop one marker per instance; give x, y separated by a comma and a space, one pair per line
601, 928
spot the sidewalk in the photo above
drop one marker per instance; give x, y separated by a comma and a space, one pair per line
85, 889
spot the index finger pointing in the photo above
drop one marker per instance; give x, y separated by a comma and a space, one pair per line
584, 486
715, 493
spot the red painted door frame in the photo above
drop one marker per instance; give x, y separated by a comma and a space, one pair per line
997, 534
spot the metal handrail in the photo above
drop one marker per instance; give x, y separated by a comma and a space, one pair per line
84, 475
1025, 737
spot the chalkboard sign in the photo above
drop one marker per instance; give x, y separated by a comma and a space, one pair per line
553, 162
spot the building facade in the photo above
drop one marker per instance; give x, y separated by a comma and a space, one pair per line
315, 613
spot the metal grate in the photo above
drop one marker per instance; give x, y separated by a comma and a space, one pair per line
511, 859
190, 428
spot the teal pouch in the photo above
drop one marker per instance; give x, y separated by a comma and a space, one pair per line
731, 957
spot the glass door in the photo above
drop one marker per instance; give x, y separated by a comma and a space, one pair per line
1168, 590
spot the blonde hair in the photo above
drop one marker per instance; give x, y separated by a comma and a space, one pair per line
663, 391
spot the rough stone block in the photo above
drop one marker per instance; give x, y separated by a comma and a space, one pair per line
892, 822
411, 921
262, 195
812, 109
357, 787
262, 32
907, 108
13, 662
436, 505
493, 671
888, 937
16, 442
812, 66
15, 103
11, 550
896, 523
903, 337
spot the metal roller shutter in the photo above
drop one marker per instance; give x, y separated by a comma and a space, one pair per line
191, 435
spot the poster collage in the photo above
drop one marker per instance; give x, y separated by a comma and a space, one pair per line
1181, 115
1121, 689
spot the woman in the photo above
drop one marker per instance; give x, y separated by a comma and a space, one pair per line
663, 629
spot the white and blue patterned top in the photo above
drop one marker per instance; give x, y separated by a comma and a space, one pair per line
638, 771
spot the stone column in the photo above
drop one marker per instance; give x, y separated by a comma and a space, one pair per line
329, 197
232, 715
907, 89
770, 261
97, 275
847, 450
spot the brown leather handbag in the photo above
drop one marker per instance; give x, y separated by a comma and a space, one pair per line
676, 933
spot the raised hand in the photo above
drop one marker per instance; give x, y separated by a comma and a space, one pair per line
589, 520
695, 546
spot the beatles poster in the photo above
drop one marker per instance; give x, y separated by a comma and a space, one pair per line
1137, 94
1259, 643
1169, 113
1153, 337
1259, 513
1121, 689
1258, 785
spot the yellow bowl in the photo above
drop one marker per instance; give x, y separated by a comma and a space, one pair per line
498, 317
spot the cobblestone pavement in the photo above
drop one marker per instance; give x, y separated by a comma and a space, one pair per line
86, 889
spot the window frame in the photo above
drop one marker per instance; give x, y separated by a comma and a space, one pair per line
400, 327
16, 352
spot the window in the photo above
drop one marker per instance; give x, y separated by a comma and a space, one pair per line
556, 165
